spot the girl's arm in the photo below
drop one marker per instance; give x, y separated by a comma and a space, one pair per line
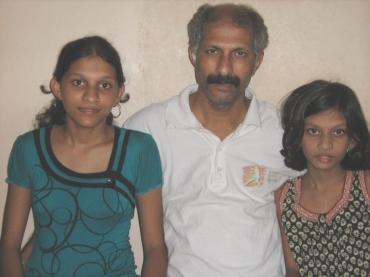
17, 208
27, 250
290, 264
151, 227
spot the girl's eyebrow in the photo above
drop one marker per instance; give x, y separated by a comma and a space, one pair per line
83, 75
341, 124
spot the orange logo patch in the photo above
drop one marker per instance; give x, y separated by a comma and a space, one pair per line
254, 175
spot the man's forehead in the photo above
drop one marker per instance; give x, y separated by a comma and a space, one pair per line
226, 27
228, 13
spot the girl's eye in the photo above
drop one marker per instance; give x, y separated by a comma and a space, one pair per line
105, 85
312, 131
339, 132
78, 83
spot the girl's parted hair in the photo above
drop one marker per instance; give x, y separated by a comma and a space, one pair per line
72, 51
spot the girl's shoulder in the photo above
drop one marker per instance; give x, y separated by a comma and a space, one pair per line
135, 133
137, 140
367, 180
288, 184
281, 193
27, 138
363, 176
367, 176
23, 159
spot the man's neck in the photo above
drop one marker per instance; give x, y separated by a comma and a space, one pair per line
220, 121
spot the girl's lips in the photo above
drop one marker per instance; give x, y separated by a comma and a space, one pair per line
89, 111
324, 158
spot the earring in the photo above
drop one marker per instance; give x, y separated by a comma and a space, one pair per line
118, 106
349, 148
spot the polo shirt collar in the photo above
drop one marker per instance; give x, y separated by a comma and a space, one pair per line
179, 114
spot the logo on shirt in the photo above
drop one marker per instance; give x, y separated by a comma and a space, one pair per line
253, 175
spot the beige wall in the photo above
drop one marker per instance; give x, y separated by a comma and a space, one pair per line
308, 39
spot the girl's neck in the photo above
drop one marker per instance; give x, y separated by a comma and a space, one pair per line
77, 148
75, 136
322, 180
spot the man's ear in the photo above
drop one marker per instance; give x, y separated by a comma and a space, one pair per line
258, 61
192, 56
56, 89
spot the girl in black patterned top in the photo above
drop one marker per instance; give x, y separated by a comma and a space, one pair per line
325, 213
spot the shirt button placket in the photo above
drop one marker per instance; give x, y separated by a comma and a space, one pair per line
219, 175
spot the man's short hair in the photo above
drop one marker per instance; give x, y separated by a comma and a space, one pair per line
241, 15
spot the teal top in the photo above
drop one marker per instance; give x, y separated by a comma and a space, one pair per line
82, 221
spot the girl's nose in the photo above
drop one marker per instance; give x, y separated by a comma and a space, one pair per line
326, 143
91, 94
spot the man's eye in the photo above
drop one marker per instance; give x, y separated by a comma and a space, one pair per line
78, 83
240, 53
312, 131
211, 51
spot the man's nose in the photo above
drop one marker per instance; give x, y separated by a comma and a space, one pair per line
225, 66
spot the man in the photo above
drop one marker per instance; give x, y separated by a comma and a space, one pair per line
219, 149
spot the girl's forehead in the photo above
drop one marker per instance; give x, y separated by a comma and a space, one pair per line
92, 64
92, 59
326, 118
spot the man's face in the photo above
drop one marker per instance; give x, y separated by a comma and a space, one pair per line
225, 62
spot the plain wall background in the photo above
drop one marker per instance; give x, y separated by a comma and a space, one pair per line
309, 39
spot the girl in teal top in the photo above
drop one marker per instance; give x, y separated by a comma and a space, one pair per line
83, 177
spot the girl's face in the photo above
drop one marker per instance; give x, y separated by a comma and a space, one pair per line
88, 90
325, 140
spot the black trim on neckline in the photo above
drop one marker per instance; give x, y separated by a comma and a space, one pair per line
123, 151
111, 175
114, 148
59, 165
116, 176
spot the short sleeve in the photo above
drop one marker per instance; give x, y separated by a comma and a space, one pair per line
149, 171
17, 165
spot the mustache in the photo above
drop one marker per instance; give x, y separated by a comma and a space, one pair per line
223, 79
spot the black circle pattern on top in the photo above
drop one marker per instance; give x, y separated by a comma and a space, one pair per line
339, 246
81, 220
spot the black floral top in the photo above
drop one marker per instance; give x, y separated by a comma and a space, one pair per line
332, 244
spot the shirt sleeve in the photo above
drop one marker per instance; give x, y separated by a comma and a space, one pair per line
133, 125
17, 165
149, 170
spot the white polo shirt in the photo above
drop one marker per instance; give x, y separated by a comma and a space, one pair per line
219, 212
